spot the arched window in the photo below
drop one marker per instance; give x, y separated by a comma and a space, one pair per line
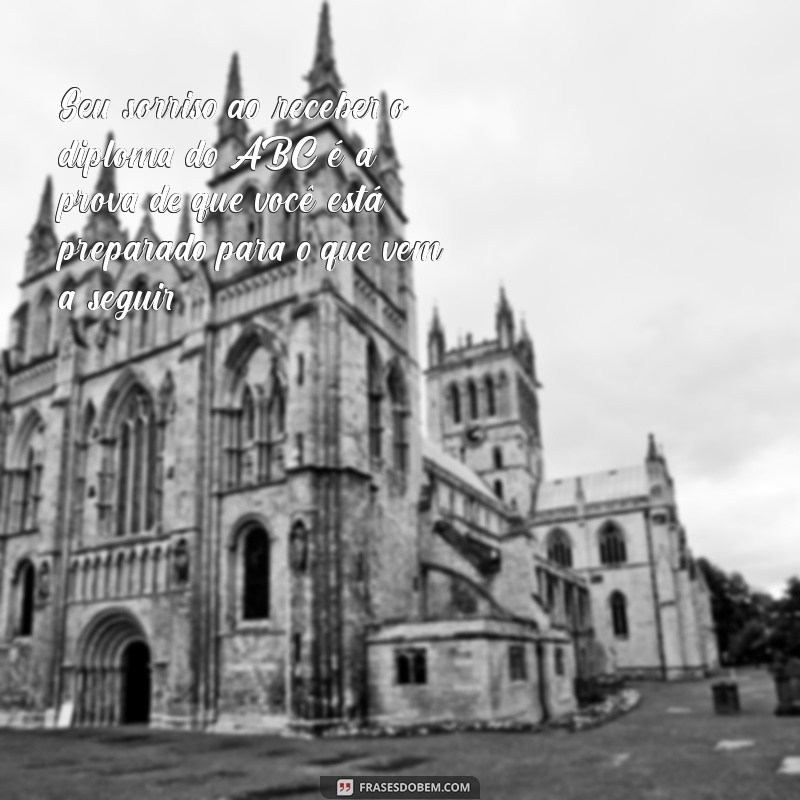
271, 429
498, 488
252, 219
31, 480
22, 478
397, 398
559, 548
255, 571
359, 221
287, 223
472, 395
24, 586
43, 330
619, 614
612, 544
411, 666
488, 383
248, 416
454, 397
136, 461
387, 274
374, 395
19, 331
253, 434
497, 457
502, 396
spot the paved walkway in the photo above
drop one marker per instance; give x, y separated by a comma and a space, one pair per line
672, 746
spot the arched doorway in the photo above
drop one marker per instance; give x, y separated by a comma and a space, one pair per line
135, 683
112, 676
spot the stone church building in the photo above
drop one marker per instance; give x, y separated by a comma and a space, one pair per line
227, 516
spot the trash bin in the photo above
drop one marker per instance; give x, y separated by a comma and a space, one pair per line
726, 697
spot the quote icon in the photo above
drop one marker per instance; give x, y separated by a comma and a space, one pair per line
344, 787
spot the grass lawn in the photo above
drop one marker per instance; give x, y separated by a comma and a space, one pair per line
663, 749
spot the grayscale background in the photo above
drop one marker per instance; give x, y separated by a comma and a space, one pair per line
630, 171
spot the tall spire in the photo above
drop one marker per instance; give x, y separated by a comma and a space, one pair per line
233, 91
385, 140
388, 165
45, 217
652, 449
146, 229
436, 341
106, 181
185, 221
42, 236
504, 320
324, 80
103, 225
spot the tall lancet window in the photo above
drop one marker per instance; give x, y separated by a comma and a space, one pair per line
22, 479
472, 395
136, 463
454, 398
254, 434
619, 614
19, 331
374, 395
488, 383
271, 429
256, 567
612, 544
399, 405
287, 223
24, 583
43, 331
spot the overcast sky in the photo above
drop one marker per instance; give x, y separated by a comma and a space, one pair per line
630, 171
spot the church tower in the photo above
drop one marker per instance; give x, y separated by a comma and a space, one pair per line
483, 406
339, 490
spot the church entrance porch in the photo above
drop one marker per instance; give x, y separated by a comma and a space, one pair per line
113, 678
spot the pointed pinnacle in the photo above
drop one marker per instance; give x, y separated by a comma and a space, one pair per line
146, 228
323, 71
234, 87
45, 218
185, 222
385, 140
106, 182
233, 91
436, 325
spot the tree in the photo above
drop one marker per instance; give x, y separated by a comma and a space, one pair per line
785, 622
741, 616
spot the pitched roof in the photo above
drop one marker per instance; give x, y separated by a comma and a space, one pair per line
432, 452
598, 487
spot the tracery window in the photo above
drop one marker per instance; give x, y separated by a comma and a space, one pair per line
559, 548
136, 464
398, 402
255, 434
612, 544
374, 396
411, 666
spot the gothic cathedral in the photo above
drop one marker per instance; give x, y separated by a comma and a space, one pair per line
225, 516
